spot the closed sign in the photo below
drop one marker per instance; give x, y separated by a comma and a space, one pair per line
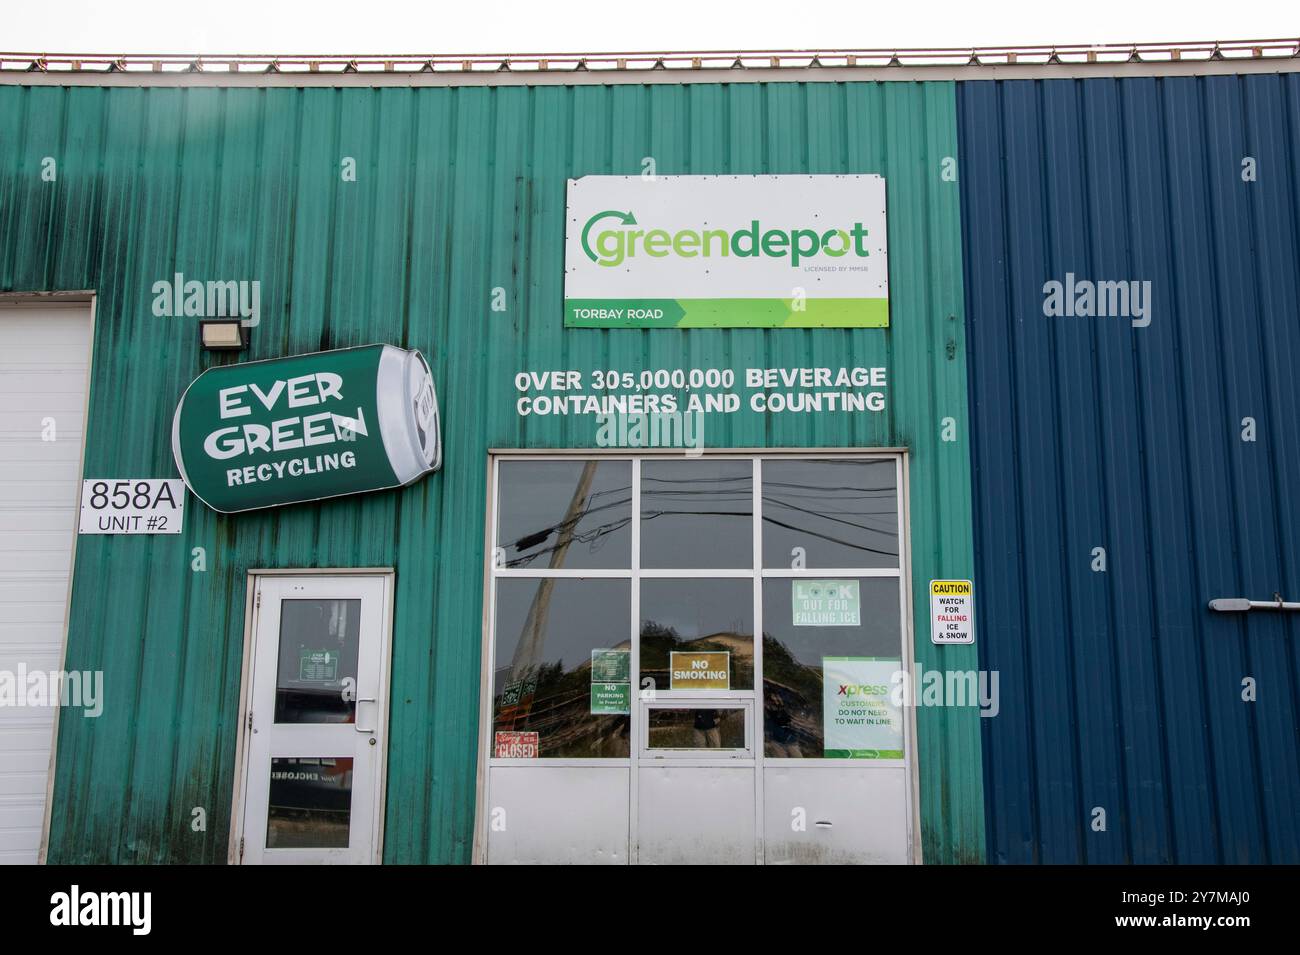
516, 745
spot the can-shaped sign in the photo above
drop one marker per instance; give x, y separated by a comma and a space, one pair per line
287, 430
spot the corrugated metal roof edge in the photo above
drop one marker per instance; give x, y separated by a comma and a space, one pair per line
1208, 57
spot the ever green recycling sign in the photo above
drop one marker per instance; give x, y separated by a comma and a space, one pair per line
267, 433
801, 251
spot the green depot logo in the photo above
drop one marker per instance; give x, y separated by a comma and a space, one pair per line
609, 239
698, 251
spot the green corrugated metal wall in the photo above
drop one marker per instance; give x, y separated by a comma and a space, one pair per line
458, 191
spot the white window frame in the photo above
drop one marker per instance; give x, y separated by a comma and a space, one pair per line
714, 702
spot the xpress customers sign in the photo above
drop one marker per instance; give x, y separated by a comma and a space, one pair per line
726, 251
267, 433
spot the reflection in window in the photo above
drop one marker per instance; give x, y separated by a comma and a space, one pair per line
561, 669
697, 514
696, 728
310, 803
793, 700
840, 513
566, 514
700, 617
318, 652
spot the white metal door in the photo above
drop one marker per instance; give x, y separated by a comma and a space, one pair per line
316, 721
44, 362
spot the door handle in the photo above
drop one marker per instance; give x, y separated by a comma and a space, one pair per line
359, 700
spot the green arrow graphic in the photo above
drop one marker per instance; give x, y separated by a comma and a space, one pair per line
625, 217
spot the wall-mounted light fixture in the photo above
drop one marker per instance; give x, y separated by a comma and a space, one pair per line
223, 334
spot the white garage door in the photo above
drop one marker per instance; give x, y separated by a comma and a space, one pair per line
44, 359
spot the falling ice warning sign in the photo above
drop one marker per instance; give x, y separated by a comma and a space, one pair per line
952, 611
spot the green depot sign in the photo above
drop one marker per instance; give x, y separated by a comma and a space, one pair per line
287, 430
787, 251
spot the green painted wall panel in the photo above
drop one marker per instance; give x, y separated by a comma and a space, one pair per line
457, 192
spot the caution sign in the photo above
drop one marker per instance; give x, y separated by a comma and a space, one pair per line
952, 611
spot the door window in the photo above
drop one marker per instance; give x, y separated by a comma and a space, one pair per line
310, 804
319, 640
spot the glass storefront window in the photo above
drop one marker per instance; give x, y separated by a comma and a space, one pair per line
566, 514
697, 634
835, 513
697, 514
562, 684
574, 674
807, 636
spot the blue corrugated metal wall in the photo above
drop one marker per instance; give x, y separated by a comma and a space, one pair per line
1119, 689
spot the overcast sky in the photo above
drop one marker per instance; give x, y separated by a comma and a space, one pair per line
518, 26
